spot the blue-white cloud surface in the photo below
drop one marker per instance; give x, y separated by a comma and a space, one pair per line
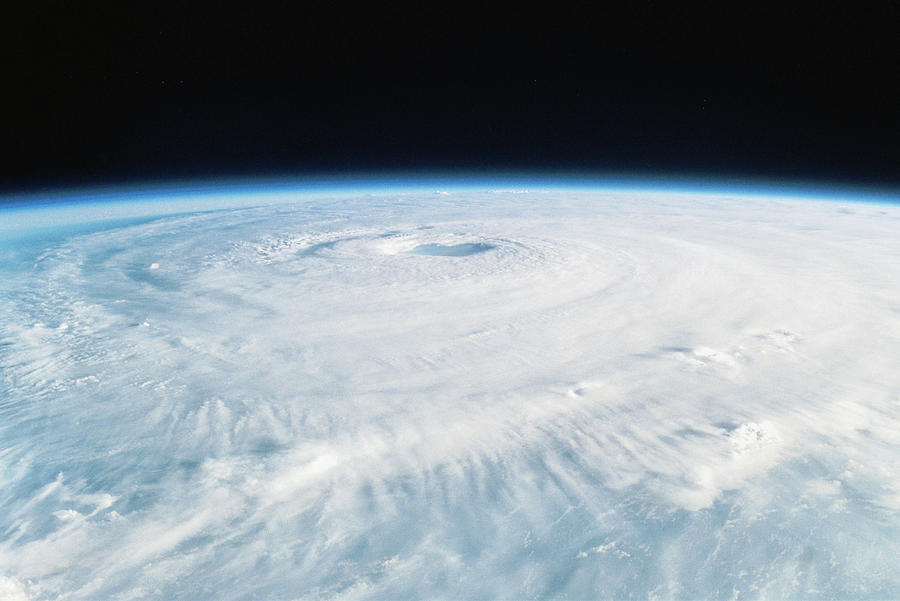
473, 394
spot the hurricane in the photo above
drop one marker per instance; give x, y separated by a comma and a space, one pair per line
467, 392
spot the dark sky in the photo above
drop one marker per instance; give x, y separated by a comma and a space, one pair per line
96, 96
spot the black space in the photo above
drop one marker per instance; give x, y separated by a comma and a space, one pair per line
96, 95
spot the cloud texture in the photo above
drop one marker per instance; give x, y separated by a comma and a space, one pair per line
469, 394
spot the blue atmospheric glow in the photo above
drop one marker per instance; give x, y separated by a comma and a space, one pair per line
274, 189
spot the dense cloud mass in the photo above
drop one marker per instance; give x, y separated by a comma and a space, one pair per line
563, 393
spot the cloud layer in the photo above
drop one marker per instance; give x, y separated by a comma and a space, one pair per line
459, 395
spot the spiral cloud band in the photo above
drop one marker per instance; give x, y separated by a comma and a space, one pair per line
472, 394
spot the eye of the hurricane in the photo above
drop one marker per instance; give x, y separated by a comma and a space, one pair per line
452, 250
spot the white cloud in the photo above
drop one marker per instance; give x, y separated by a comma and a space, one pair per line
642, 388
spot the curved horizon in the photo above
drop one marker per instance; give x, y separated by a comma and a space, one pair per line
419, 181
